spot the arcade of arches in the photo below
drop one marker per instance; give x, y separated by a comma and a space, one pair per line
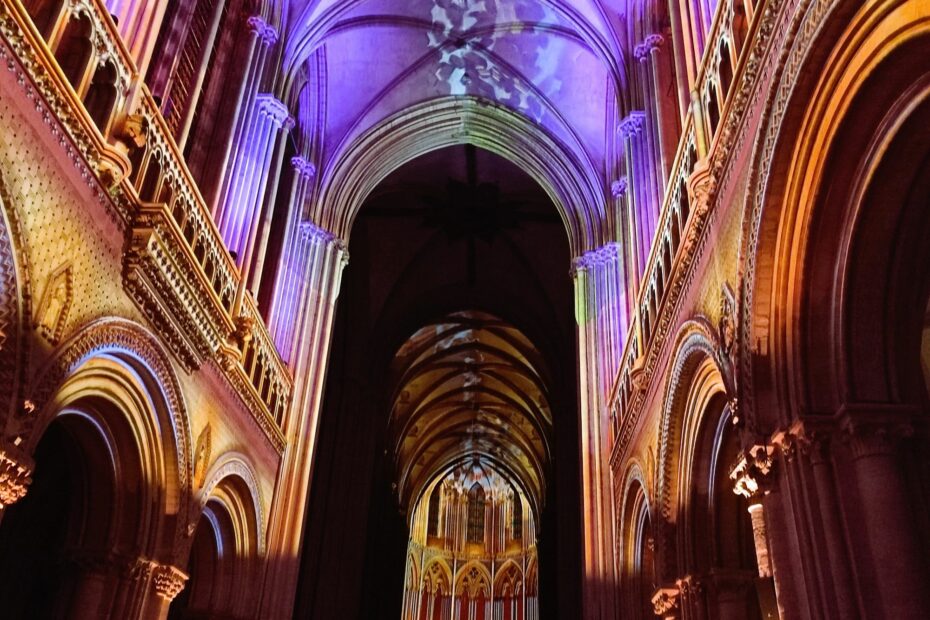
636, 322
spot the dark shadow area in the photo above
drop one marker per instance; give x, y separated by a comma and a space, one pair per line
459, 229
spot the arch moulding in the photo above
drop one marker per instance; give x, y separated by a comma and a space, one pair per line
570, 182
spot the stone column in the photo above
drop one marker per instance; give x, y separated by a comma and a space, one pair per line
240, 207
262, 38
752, 478
601, 316
640, 226
138, 588
664, 141
322, 273
816, 446
284, 305
897, 587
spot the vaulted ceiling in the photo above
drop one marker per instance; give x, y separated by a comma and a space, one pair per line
555, 62
469, 389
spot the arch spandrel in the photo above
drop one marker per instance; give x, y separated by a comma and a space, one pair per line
120, 363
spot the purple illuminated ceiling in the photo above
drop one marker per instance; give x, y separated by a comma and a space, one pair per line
555, 62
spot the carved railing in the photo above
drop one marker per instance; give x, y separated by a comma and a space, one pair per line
686, 200
176, 267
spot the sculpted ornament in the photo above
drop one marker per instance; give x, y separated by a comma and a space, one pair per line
52, 313
665, 602
202, 455
15, 477
169, 581
726, 325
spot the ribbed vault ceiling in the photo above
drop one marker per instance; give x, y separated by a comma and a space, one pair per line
556, 62
469, 388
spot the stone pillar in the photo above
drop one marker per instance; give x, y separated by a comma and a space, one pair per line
262, 38
601, 316
897, 588
816, 446
322, 273
752, 478
664, 123
282, 316
238, 213
642, 206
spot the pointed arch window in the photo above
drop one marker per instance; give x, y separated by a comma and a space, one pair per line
476, 514
517, 524
432, 518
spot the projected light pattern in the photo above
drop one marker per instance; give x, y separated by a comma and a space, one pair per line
467, 34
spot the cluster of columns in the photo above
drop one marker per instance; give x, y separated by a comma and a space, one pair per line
843, 507
832, 523
316, 285
602, 317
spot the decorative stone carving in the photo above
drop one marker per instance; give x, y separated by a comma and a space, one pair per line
665, 602
619, 188
303, 167
168, 581
650, 44
53, 309
869, 438
726, 324
633, 124
263, 30
15, 477
202, 455
751, 473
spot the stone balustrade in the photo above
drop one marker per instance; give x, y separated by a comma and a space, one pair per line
706, 139
176, 268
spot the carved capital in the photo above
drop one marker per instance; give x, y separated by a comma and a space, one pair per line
260, 28
690, 585
752, 473
665, 602
619, 187
15, 476
168, 581
303, 168
607, 253
633, 124
650, 44
274, 109
867, 438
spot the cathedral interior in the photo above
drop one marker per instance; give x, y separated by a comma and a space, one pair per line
464, 309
